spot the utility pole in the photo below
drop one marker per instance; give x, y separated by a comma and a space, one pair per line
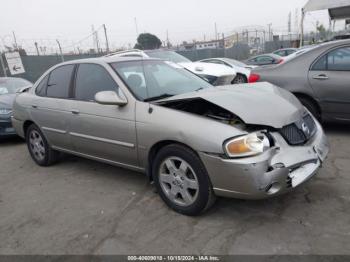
136, 27
290, 22
167, 39
37, 49
59, 47
216, 32
95, 39
302, 27
107, 44
14, 39
269, 25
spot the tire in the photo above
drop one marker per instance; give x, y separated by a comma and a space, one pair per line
182, 180
39, 148
311, 106
240, 79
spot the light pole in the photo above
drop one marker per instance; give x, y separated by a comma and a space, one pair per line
59, 47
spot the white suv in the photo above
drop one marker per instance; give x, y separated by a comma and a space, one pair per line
216, 75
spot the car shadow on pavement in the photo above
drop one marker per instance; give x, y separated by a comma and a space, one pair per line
336, 128
10, 141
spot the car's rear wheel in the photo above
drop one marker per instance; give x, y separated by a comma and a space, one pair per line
182, 180
239, 79
38, 147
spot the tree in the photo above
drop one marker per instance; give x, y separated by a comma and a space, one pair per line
147, 41
321, 31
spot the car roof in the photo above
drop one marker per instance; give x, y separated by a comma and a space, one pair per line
107, 59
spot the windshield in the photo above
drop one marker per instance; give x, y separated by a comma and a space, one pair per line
168, 56
11, 85
152, 80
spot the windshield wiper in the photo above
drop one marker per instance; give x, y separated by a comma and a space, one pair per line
157, 97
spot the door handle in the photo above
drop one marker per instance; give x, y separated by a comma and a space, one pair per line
75, 111
34, 106
321, 77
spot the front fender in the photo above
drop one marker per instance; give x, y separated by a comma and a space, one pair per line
162, 124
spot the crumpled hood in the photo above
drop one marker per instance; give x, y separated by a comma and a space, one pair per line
200, 68
6, 101
258, 103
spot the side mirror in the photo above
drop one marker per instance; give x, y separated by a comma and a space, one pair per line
110, 98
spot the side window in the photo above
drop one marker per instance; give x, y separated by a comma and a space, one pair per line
59, 82
336, 60
41, 88
264, 59
339, 59
321, 64
91, 79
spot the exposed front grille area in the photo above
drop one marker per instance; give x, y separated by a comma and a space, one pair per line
299, 133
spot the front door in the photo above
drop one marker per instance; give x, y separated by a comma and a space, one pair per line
102, 131
330, 80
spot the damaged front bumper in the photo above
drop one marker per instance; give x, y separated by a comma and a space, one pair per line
276, 171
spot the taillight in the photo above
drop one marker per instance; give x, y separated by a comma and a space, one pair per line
280, 61
253, 78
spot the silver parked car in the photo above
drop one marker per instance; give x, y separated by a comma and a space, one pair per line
319, 77
195, 141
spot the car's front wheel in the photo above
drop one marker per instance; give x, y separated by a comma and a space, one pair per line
182, 180
38, 147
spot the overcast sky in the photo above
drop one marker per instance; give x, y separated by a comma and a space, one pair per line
70, 21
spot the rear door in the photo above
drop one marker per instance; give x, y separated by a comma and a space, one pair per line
329, 76
50, 107
103, 131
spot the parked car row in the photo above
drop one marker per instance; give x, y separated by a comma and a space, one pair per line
194, 140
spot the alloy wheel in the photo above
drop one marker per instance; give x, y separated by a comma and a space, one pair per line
36, 144
178, 181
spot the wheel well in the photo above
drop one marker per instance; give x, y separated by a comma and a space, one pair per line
26, 125
155, 149
300, 95
244, 76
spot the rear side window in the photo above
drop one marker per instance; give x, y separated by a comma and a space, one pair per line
59, 82
41, 88
91, 79
339, 59
336, 60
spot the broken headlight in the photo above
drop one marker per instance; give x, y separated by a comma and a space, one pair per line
247, 145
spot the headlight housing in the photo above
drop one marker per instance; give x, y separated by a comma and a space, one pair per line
247, 145
5, 111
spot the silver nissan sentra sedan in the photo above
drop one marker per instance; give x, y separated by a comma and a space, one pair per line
193, 140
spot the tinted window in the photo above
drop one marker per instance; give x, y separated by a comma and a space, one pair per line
321, 64
41, 88
339, 59
264, 59
92, 79
280, 53
336, 60
59, 82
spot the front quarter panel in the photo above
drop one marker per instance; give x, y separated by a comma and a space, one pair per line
155, 124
